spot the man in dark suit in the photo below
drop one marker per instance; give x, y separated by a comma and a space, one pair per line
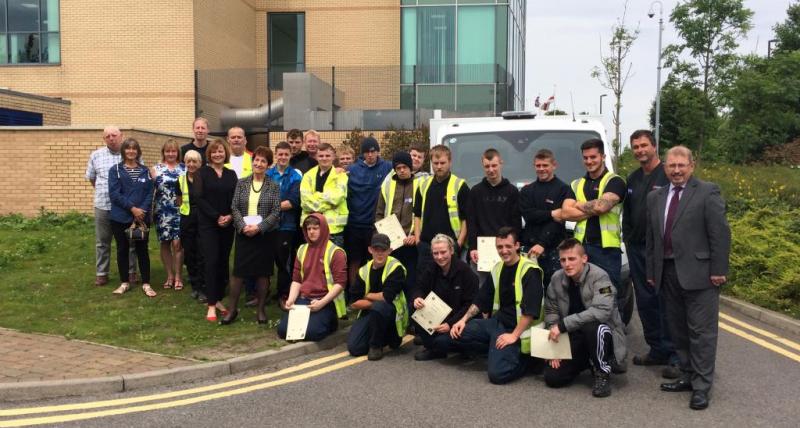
688, 245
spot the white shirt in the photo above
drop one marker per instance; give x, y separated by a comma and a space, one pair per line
670, 193
236, 165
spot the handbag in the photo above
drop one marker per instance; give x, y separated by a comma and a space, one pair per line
137, 232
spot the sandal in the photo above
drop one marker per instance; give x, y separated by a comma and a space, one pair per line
178, 285
148, 290
122, 288
168, 284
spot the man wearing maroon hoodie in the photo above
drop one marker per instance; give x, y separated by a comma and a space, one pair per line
320, 272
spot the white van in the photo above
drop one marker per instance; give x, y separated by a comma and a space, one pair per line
518, 136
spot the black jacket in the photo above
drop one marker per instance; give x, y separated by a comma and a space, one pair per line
536, 201
458, 288
490, 208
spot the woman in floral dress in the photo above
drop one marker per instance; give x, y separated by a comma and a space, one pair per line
167, 215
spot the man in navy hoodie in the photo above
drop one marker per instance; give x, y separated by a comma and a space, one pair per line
363, 186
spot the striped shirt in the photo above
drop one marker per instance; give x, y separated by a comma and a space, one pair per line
100, 162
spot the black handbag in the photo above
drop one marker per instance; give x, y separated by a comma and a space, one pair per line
137, 232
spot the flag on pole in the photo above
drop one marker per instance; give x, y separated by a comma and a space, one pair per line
546, 104
536, 102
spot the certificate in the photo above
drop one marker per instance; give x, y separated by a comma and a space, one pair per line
252, 220
487, 253
541, 347
432, 314
298, 322
391, 227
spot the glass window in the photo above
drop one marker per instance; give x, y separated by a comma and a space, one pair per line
407, 97
408, 45
517, 149
436, 97
29, 32
475, 98
436, 44
476, 43
286, 45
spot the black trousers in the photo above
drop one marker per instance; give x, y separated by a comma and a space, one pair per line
123, 248
592, 346
284, 260
192, 256
215, 244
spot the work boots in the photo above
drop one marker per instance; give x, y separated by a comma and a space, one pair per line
602, 384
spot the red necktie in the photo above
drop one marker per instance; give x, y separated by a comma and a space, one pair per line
673, 208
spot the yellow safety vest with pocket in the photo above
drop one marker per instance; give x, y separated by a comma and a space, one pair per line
609, 222
523, 266
401, 312
335, 189
330, 249
453, 186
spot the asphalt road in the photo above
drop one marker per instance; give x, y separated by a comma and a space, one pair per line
754, 386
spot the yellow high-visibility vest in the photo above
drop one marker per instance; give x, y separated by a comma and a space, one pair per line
247, 165
523, 266
183, 183
330, 249
609, 222
331, 202
453, 186
401, 316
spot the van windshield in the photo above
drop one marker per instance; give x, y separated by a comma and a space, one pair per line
517, 149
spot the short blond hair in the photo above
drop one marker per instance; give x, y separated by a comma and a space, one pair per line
440, 150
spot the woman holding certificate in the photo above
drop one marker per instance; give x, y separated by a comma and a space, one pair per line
256, 214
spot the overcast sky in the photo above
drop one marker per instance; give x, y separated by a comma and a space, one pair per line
563, 45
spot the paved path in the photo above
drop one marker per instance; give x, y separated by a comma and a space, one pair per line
758, 373
32, 357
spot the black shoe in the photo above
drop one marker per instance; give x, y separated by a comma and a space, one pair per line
616, 367
427, 355
375, 354
418, 340
671, 372
679, 385
647, 360
699, 400
202, 298
602, 384
230, 318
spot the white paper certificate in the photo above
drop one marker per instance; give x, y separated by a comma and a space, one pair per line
298, 322
432, 314
391, 227
252, 220
547, 349
487, 253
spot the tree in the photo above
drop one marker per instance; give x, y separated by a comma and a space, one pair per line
555, 112
684, 109
788, 33
614, 70
710, 30
764, 106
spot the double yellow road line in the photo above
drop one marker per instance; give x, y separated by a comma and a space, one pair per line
725, 324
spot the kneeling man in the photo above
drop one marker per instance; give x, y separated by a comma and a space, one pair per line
513, 293
382, 317
581, 300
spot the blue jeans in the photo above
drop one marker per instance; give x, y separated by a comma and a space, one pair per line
320, 324
375, 328
649, 304
503, 365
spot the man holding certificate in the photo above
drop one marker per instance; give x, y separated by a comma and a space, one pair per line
513, 293
320, 272
455, 284
378, 290
581, 300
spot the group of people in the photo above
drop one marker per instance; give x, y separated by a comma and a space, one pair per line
310, 213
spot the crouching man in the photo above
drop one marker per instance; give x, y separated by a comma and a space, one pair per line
581, 301
513, 293
382, 318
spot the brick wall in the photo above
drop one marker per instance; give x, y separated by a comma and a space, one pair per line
54, 111
55, 166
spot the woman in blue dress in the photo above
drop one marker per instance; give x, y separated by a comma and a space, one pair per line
167, 214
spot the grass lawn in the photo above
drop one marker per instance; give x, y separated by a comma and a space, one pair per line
47, 284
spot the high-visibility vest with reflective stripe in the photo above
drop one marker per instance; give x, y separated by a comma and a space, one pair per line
609, 222
330, 248
334, 186
184, 186
401, 314
247, 165
388, 189
523, 266
451, 197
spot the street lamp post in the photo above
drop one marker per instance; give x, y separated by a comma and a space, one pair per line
651, 14
601, 103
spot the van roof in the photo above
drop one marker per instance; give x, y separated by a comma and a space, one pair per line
493, 124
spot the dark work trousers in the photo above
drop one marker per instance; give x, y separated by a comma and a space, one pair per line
693, 320
649, 305
375, 328
592, 346
438, 343
320, 324
192, 256
407, 256
549, 262
284, 260
610, 260
504, 365
123, 251
216, 243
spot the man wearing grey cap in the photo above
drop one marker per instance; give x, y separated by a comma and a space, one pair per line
378, 296
363, 185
